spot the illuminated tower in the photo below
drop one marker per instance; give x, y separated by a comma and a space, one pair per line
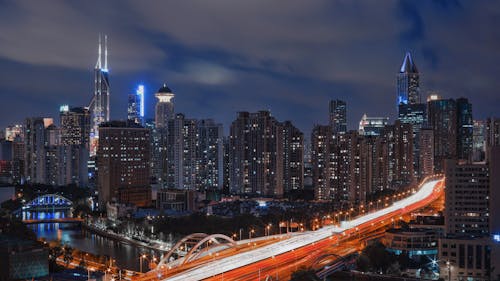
99, 106
408, 82
135, 110
164, 110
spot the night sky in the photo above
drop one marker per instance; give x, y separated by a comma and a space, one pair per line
220, 57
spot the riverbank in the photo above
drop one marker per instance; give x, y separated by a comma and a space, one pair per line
155, 246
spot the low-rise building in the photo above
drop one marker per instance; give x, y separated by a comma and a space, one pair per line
176, 199
22, 259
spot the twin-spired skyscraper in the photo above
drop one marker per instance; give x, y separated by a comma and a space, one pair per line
99, 106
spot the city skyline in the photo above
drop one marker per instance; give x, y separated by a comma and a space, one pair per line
293, 75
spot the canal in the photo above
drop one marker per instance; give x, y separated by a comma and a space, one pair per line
125, 255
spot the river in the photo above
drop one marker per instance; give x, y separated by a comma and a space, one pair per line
126, 256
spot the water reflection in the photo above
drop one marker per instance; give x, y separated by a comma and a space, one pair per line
126, 256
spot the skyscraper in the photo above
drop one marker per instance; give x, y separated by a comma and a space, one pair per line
293, 157
34, 142
73, 151
442, 116
123, 163
210, 154
467, 194
99, 106
465, 129
75, 126
256, 154
135, 109
164, 110
408, 82
338, 116
321, 146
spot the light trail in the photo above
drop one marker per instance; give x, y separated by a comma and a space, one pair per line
300, 240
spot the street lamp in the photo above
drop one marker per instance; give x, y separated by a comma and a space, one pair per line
143, 256
250, 233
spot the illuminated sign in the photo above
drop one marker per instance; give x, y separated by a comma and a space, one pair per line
140, 93
496, 237
64, 108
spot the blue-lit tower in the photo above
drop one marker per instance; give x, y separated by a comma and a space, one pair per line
410, 109
135, 109
99, 106
408, 82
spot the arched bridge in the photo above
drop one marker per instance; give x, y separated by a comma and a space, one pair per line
192, 246
48, 202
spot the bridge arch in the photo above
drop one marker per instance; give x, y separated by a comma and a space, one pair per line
193, 241
190, 255
48, 201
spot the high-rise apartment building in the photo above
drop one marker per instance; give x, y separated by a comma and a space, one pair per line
99, 105
321, 160
35, 137
135, 107
123, 162
467, 198
408, 81
465, 129
210, 154
442, 116
256, 154
338, 116
293, 157
181, 162
399, 138
426, 157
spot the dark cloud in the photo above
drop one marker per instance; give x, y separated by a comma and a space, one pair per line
225, 56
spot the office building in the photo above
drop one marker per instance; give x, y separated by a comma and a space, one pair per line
135, 108
99, 105
479, 141
164, 110
75, 126
372, 126
408, 81
465, 129
123, 162
338, 116
492, 135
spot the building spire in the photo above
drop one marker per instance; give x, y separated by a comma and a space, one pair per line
105, 51
98, 64
408, 65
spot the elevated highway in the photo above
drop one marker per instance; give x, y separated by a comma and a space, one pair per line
278, 257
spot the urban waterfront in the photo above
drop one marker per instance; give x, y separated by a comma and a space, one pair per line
73, 235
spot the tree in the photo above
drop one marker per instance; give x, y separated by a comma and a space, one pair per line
68, 255
304, 274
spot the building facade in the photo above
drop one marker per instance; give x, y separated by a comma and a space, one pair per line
123, 162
